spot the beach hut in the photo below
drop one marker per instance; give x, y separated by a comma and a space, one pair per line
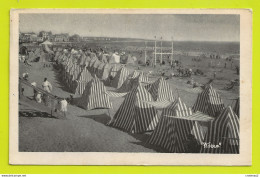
179, 129
209, 102
134, 115
94, 96
160, 90
120, 77
223, 134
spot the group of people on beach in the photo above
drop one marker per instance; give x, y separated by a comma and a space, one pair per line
45, 96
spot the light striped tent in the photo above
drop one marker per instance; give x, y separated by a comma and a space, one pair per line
236, 107
95, 66
132, 81
77, 70
82, 59
78, 87
84, 76
91, 64
114, 69
160, 90
95, 96
87, 61
179, 130
134, 115
120, 77
134, 74
223, 131
209, 102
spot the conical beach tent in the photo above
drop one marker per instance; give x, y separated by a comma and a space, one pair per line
120, 77
179, 130
224, 132
209, 102
104, 72
79, 85
100, 70
134, 115
114, 69
95, 96
133, 80
130, 60
236, 107
84, 76
160, 90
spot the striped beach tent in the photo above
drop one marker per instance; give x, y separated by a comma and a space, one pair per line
179, 130
114, 69
78, 87
82, 59
95, 66
87, 61
95, 96
236, 107
160, 90
120, 77
132, 81
224, 132
84, 76
134, 115
91, 64
134, 74
100, 70
104, 72
209, 102
77, 70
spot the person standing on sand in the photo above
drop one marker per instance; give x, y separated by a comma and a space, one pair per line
46, 85
215, 75
63, 106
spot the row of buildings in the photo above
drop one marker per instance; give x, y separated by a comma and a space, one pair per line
47, 35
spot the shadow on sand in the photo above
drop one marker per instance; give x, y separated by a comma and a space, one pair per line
102, 118
33, 113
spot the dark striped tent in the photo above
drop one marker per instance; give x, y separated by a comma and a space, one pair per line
100, 70
95, 96
224, 132
209, 102
179, 130
236, 107
120, 77
134, 115
104, 72
160, 90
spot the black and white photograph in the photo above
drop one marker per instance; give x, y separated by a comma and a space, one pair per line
135, 83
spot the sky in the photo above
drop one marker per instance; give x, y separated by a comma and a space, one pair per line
180, 27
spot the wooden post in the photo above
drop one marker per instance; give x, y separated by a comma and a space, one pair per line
172, 52
145, 54
155, 51
161, 50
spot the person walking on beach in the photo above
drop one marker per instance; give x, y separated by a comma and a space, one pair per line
46, 85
